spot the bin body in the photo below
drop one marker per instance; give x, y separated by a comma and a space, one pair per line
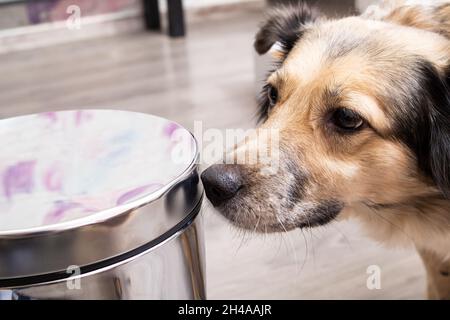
173, 270
134, 232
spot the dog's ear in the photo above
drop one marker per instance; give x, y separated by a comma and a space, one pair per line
430, 16
284, 26
430, 136
440, 138
425, 128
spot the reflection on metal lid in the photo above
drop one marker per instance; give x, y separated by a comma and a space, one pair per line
60, 166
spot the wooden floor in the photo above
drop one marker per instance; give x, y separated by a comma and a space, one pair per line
208, 76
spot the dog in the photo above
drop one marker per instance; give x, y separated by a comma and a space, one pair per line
362, 108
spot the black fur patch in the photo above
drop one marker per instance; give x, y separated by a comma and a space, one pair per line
324, 213
425, 127
284, 25
264, 103
296, 190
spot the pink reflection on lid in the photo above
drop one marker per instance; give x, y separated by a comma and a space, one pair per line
170, 128
52, 116
59, 210
82, 116
18, 178
130, 195
53, 179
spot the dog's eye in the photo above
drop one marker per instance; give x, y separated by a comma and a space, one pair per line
273, 95
346, 119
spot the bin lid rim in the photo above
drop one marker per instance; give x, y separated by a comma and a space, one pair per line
105, 214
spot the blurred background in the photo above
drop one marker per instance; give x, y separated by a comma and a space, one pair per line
189, 61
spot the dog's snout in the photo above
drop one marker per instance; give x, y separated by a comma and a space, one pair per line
221, 182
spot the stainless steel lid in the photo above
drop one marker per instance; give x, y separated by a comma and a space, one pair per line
84, 187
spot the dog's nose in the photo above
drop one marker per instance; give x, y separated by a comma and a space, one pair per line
221, 182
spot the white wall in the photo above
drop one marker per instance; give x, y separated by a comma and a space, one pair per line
362, 5
204, 3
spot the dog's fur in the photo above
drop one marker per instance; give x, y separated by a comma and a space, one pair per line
391, 67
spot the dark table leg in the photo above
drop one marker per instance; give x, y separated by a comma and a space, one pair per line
151, 15
176, 18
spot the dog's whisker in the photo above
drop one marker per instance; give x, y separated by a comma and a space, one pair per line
306, 255
238, 233
241, 243
289, 240
257, 223
312, 246
311, 237
280, 243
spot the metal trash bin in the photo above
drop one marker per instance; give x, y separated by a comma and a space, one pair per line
99, 204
